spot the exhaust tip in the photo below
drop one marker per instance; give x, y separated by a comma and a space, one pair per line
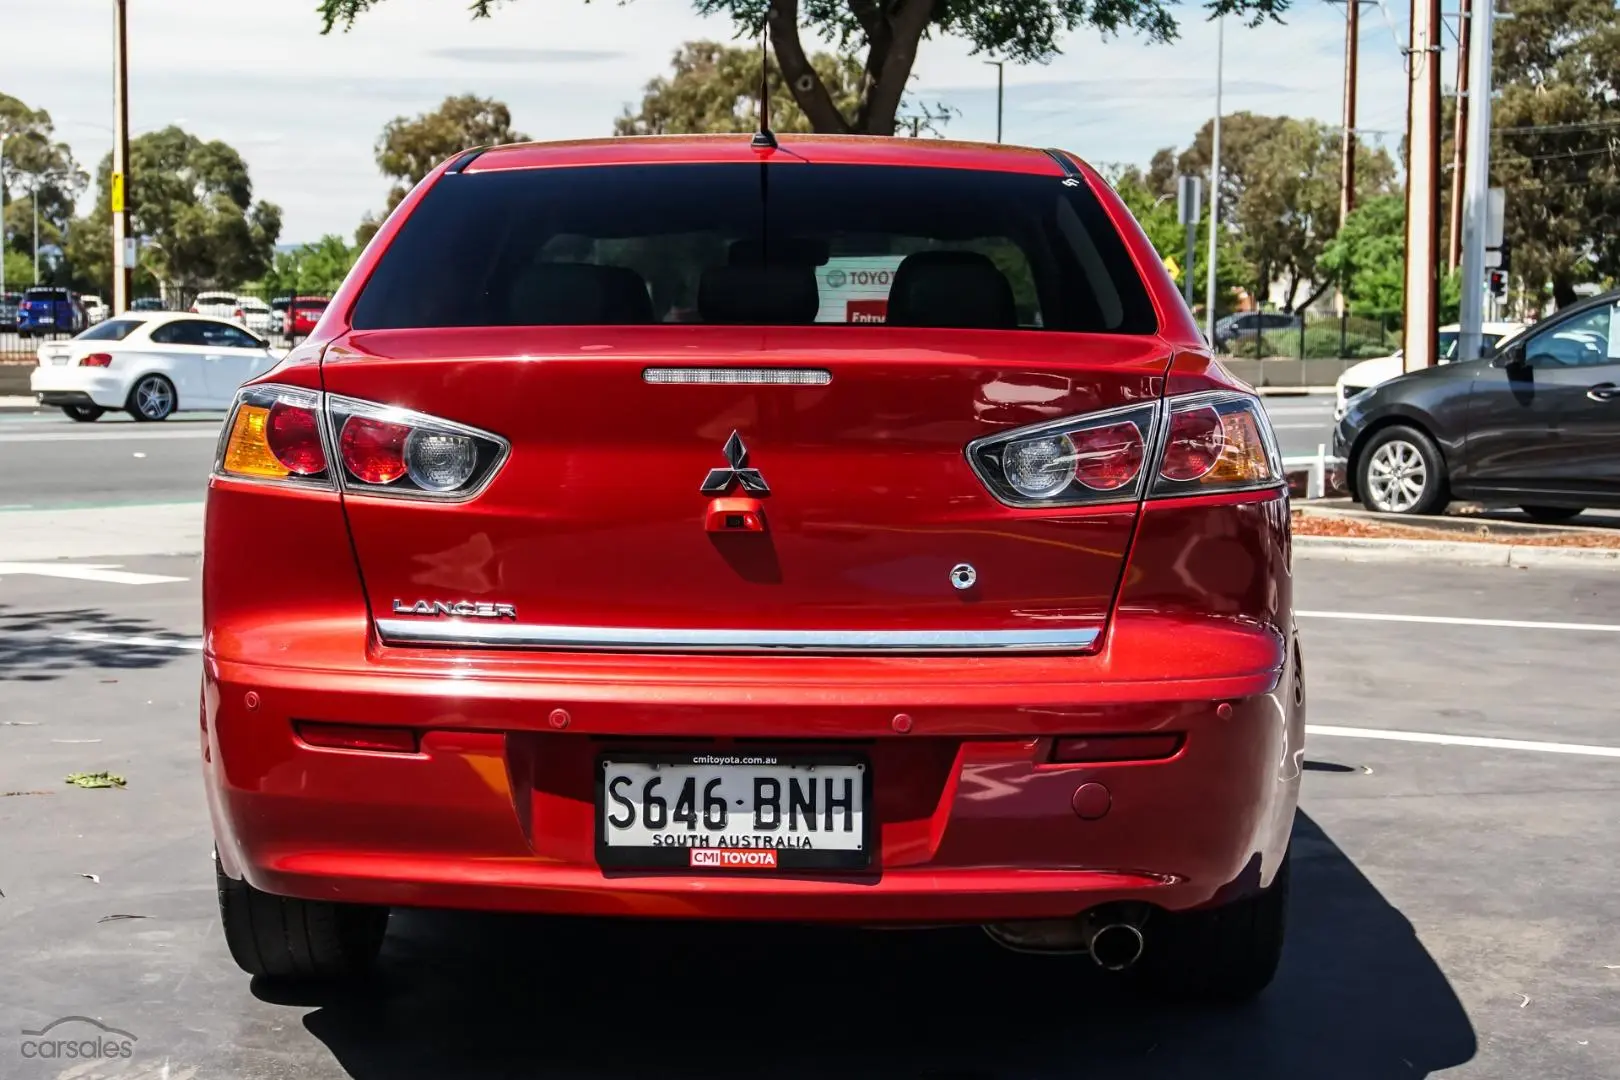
1116, 946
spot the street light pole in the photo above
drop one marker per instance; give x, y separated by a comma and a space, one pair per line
2, 216
1001, 71
1214, 183
123, 265
1476, 180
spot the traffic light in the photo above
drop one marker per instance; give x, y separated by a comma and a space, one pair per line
1498, 282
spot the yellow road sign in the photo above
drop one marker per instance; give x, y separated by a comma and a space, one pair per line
118, 193
1171, 265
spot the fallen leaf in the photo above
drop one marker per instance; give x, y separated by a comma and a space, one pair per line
109, 680
117, 918
95, 779
1526, 1000
93, 877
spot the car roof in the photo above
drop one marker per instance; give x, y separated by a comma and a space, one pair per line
720, 149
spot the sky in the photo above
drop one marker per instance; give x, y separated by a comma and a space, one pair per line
305, 110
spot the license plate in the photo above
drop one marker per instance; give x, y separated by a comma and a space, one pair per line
732, 811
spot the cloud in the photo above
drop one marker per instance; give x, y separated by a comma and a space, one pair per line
493, 54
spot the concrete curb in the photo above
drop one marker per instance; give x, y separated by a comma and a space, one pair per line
17, 403
1460, 552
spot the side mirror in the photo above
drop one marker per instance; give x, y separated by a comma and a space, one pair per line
1511, 357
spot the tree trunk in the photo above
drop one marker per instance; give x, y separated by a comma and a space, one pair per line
803, 83
1315, 296
889, 62
1563, 292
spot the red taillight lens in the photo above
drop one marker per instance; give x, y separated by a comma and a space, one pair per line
97, 359
373, 450
1098, 748
192, 309
293, 434
1194, 444
1108, 458
237, 314
386, 740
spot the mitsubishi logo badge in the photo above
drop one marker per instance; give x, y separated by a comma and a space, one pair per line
719, 481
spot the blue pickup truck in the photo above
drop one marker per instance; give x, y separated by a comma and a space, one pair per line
46, 311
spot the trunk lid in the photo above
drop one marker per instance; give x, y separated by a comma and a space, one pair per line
597, 520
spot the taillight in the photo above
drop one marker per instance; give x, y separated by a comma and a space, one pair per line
96, 359
282, 433
1084, 459
1217, 441
237, 314
395, 451
1212, 441
193, 309
275, 434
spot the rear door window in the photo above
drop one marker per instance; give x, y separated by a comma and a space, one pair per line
789, 244
182, 332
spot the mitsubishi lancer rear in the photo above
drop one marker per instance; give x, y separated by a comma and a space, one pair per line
816, 530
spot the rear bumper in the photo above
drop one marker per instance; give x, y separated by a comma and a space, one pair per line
65, 385
496, 811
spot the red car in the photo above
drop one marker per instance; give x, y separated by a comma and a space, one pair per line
302, 313
617, 572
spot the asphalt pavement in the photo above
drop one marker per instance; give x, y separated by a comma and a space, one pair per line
47, 461
1457, 906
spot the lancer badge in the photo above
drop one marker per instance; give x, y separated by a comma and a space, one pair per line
456, 609
719, 481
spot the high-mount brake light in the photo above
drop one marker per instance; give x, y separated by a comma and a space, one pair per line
1212, 442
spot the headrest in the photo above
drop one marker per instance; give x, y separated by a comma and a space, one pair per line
578, 294
956, 289
773, 295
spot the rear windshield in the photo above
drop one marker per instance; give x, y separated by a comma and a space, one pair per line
779, 244
111, 330
59, 295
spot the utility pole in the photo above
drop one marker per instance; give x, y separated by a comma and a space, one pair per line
1423, 186
1459, 135
1214, 183
33, 197
1000, 66
1476, 192
1189, 200
1347, 164
123, 249
3, 217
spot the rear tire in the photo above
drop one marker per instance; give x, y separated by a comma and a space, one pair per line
1400, 471
283, 938
1227, 954
84, 414
152, 398
1552, 515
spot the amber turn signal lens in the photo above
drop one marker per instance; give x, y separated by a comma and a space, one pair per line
1243, 457
248, 452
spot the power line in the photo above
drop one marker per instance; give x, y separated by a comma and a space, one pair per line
1574, 125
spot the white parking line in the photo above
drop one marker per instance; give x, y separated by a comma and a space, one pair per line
1462, 740
141, 434
190, 644
106, 573
1299, 427
1457, 620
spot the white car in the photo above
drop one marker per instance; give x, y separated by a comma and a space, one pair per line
221, 305
95, 309
1381, 369
257, 316
151, 364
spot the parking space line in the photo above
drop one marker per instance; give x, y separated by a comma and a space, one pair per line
1438, 739
138, 641
1458, 620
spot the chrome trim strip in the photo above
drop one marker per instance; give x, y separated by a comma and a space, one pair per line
646, 639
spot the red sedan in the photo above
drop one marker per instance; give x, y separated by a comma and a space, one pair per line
593, 558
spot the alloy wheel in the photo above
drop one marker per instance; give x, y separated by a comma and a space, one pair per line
154, 398
1397, 476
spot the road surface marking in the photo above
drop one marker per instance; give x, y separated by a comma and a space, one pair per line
111, 436
192, 644
107, 573
1454, 620
1462, 740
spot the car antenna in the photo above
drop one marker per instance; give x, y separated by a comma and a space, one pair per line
764, 138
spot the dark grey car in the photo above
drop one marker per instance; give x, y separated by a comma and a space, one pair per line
1537, 425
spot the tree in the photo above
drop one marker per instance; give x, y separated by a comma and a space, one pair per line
715, 88
317, 268
1155, 209
410, 147
35, 165
1280, 193
1556, 142
191, 207
1369, 257
888, 34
